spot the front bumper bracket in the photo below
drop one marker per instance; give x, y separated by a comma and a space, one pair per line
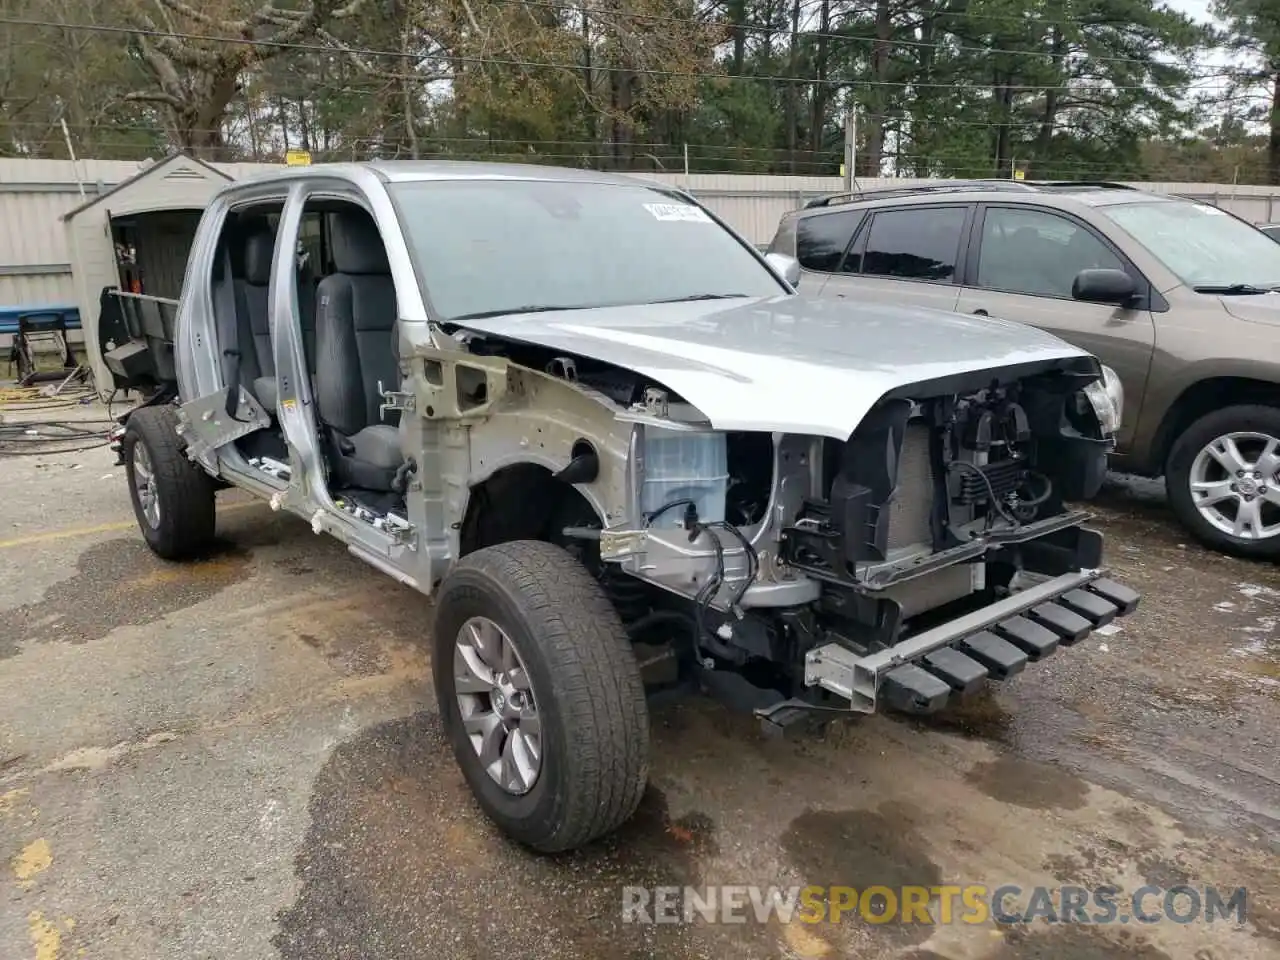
923, 673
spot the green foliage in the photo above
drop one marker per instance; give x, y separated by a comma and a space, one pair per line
1057, 88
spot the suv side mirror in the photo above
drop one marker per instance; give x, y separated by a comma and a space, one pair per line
1104, 286
788, 268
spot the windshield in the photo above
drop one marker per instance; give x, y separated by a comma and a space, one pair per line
507, 246
1202, 245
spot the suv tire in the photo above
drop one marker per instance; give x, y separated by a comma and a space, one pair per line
579, 678
173, 498
1253, 425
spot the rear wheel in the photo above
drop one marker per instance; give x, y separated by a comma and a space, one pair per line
540, 695
1223, 480
173, 498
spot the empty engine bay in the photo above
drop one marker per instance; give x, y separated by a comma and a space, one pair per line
767, 544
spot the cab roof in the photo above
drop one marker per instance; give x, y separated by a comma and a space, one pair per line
400, 171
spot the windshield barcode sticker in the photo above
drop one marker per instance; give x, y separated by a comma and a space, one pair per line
677, 211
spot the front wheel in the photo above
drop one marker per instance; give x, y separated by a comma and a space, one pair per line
1223, 480
540, 695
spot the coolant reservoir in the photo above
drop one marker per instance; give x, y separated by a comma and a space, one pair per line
684, 465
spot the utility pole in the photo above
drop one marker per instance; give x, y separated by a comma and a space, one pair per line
850, 148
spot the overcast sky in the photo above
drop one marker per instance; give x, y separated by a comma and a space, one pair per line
1197, 8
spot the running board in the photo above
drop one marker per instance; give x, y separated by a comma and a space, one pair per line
924, 673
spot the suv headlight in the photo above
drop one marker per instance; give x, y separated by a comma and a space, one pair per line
1106, 396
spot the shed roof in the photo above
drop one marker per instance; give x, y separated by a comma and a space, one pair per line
192, 166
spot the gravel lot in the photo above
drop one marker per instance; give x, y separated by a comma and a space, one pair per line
239, 758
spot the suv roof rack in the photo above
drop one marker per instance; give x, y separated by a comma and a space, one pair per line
1070, 185
963, 186
946, 186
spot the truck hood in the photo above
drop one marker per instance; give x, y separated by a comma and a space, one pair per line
791, 364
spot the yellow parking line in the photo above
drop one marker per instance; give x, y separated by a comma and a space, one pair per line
72, 532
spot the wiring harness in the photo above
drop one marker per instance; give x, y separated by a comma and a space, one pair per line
703, 599
23, 435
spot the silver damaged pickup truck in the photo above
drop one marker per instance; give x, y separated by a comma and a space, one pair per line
591, 420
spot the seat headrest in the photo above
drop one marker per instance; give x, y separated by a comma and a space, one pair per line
355, 244
258, 249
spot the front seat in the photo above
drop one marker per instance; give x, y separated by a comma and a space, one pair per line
257, 365
252, 293
355, 350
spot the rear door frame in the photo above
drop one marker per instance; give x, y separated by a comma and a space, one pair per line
858, 246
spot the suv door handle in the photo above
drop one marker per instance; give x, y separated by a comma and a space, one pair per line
981, 313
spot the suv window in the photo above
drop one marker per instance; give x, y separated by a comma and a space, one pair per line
1037, 252
821, 240
918, 244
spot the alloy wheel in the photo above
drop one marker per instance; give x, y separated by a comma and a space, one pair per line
144, 482
496, 700
1235, 486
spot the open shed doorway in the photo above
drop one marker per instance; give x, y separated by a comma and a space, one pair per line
151, 250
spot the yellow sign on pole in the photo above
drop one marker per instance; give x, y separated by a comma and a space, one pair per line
297, 158
1019, 175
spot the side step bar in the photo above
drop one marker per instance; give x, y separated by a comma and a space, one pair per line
922, 674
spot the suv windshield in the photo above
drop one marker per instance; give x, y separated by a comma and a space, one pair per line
486, 247
1202, 245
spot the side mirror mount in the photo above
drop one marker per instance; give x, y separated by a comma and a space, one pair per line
788, 268
1104, 286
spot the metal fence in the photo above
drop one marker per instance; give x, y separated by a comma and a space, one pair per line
35, 268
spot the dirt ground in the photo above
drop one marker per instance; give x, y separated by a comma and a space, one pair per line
240, 758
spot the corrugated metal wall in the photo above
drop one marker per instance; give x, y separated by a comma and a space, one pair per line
34, 194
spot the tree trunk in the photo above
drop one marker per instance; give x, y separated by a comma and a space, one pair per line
1003, 95
621, 98
200, 130
821, 90
792, 111
1273, 143
1049, 118
873, 155
915, 161
409, 118
738, 17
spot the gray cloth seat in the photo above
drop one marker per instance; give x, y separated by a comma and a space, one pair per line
264, 388
355, 350
253, 307
253, 304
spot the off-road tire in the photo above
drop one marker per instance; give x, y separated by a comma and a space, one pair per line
186, 493
595, 722
1182, 454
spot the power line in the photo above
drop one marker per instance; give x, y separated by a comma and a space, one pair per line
954, 165
493, 61
892, 120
